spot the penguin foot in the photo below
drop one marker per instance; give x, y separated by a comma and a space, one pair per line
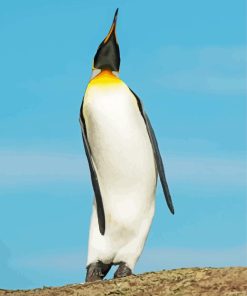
122, 271
97, 271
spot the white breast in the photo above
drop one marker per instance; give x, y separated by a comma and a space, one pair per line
121, 150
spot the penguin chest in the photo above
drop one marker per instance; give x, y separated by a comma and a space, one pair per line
121, 149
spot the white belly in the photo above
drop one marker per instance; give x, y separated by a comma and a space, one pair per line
124, 161
121, 150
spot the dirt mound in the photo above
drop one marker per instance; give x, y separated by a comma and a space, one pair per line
230, 281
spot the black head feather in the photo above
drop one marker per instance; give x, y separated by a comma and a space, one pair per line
108, 54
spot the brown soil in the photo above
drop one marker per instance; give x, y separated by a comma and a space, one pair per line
230, 281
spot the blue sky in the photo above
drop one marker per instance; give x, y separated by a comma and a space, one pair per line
187, 61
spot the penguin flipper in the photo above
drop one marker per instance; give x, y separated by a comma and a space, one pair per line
158, 158
94, 178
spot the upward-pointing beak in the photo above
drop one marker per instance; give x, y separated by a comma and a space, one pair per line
113, 27
108, 54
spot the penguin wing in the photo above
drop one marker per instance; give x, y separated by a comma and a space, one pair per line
94, 178
157, 156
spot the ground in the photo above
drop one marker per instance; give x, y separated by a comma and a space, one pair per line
230, 281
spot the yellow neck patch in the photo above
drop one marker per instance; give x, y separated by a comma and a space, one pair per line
104, 78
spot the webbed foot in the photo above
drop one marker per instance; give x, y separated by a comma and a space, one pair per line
122, 271
97, 271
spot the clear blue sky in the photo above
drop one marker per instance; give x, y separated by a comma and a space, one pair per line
187, 61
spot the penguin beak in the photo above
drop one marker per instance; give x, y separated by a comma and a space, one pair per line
113, 27
108, 54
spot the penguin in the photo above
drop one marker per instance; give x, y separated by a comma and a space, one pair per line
124, 162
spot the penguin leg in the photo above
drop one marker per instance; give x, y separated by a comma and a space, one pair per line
130, 252
97, 271
122, 271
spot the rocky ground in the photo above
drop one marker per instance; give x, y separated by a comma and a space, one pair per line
230, 281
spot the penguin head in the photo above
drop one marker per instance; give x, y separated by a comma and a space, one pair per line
107, 56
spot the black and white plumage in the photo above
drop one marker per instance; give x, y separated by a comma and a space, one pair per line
124, 160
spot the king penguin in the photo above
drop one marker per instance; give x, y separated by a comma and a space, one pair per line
124, 162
